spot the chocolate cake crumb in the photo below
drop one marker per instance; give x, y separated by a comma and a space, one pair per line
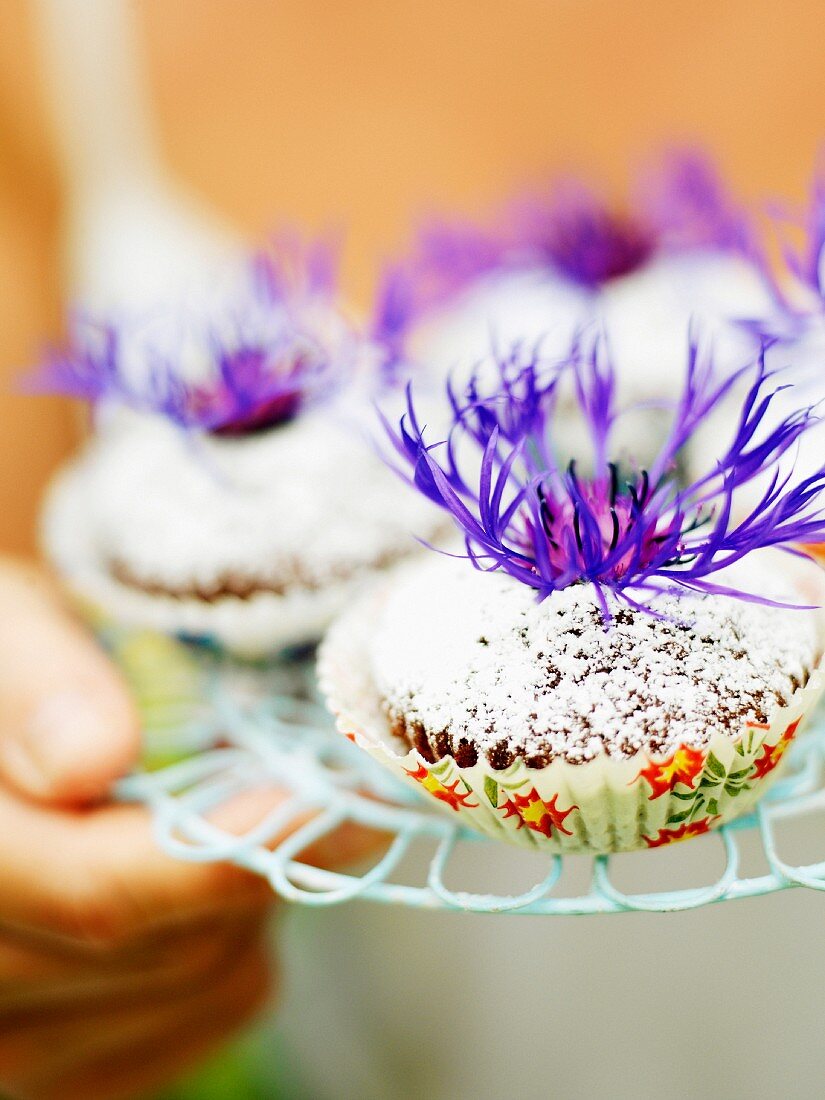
552, 681
236, 586
206, 519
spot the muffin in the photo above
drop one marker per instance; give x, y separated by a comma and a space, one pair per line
558, 261
625, 666
482, 671
228, 493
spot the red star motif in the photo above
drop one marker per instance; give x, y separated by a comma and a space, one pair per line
687, 829
444, 792
682, 767
538, 815
772, 754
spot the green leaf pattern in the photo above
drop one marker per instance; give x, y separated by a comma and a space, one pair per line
715, 780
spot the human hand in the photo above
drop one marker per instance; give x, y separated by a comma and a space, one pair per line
119, 967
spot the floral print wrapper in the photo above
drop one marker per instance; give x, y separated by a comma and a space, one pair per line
604, 805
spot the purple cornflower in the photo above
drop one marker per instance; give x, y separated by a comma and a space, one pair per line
633, 533
805, 261
577, 235
450, 256
799, 284
240, 365
687, 204
797, 281
572, 233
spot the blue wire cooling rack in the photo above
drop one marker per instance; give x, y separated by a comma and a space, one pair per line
222, 730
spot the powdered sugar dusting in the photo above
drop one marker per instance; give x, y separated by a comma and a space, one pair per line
473, 656
302, 505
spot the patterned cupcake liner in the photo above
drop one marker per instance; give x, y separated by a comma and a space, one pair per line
603, 805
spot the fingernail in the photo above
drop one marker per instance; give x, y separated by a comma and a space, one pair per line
58, 744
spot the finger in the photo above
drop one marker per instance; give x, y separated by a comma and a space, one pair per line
67, 725
34, 977
132, 887
140, 888
346, 846
99, 879
138, 1072
46, 1053
343, 846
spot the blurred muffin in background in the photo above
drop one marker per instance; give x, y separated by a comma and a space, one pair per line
557, 262
228, 492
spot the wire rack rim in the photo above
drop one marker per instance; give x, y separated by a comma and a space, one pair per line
287, 741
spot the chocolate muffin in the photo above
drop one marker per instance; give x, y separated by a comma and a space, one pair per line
471, 667
623, 657
228, 492
253, 542
535, 724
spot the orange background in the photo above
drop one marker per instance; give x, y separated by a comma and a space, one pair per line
362, 113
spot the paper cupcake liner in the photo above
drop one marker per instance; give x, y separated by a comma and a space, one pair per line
604, 805
262, 625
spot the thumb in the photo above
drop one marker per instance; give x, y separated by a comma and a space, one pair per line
67, 725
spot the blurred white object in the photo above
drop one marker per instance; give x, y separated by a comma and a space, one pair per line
533, 307
132, 235
647, 315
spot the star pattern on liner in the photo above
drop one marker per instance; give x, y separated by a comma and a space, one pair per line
688, 829
444, 792
772, 754
684, 766
537, 814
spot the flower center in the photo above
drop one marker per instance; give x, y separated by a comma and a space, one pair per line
598, 529
252, 394
591, 245
268, 414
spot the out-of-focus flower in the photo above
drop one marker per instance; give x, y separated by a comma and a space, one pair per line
247, 360
553, 260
